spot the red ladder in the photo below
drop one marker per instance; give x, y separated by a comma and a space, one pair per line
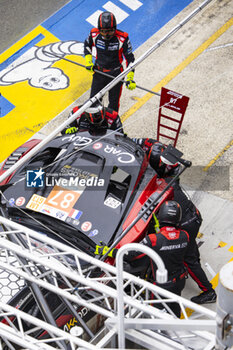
171, 114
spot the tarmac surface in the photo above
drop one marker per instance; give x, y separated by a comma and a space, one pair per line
196, 62
18, 17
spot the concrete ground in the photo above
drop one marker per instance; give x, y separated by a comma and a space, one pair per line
18, 17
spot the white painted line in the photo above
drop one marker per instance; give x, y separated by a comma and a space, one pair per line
132, 4
211, 271
93, 19
117, 11
218, 47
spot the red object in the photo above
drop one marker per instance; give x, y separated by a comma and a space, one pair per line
171, 114
28, 146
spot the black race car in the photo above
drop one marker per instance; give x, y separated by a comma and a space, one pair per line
84, 191
90, 187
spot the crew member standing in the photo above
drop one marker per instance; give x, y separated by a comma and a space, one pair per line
112, 46
191, 222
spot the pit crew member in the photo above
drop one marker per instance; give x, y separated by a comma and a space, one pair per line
191, 219
112, 46
171, 244
95, 120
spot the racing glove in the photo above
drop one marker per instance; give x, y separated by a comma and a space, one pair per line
102, 250
89, 64
130, 84
71, 130
156, 223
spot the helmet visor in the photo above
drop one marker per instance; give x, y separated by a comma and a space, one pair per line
95, 115
107, 32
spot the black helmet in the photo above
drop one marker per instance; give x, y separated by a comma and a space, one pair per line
170, 214
155, 160
155, 153
107, 24
95, 115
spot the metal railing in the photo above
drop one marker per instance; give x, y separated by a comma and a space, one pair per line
67, 274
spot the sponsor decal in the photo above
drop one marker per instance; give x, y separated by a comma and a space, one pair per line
112, 202
75, 214
68, 170
11, 202
46, 210
172, 235
75, 222
113, 47
72, 322
55, 213
61, 215
35, 203
174, 246
122, 157
78, 140
97, 145
35, 178
20, 201
71, 221
68, 220
86, 226
93, 233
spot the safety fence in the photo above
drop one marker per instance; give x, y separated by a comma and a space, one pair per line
70, 300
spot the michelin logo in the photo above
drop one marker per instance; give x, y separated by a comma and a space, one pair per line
35, 178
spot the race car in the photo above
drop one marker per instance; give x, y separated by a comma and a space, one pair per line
91, 189
84, 191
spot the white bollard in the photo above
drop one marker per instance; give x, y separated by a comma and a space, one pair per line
224, 331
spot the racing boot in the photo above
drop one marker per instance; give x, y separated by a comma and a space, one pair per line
205, 297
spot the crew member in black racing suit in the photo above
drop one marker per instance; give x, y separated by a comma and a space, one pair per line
191, 219
153, 150
96, 120
171, 244
112, 45
191, 222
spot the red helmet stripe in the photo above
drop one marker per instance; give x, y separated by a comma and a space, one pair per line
91, 118
101, 24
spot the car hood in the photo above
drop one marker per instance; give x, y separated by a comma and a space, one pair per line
89, 186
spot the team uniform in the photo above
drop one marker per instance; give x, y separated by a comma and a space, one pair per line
191, 221
191, 218
153, 150
110, 120
171, 244
109, 57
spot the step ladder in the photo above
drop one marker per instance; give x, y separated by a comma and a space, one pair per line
171, 114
